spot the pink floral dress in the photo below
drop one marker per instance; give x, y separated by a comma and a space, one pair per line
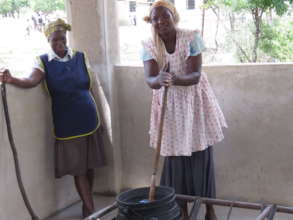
193, 119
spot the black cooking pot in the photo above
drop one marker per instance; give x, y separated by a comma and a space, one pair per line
132, 205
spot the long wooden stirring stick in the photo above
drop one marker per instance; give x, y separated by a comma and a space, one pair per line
152, 191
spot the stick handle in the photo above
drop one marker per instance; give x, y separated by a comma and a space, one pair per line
158, 145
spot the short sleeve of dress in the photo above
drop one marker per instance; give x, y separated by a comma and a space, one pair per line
196, 45
38, 64
145, 55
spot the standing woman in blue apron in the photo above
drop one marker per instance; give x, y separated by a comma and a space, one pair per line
68, 80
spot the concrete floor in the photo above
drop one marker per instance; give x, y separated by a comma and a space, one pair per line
74, 212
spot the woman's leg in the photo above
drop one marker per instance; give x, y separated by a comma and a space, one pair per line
210, 213
83, 187
184, 209
91, 176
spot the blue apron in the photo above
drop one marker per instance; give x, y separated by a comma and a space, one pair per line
74, 109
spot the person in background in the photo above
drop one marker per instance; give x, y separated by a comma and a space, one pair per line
193, 119
77, 125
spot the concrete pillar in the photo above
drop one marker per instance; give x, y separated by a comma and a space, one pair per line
95, 34
95, 31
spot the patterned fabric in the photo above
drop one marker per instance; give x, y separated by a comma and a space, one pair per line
193, 118
196, 47
58, 25
166, 4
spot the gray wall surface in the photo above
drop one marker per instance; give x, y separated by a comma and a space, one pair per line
254, 162
95, 31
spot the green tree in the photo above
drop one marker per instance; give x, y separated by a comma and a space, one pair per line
276, 40
10, 7
257, 9
47, 6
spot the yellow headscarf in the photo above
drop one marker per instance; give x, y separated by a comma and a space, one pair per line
166, 4
159, 44
58, 25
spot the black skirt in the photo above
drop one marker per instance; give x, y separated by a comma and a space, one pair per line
191, 175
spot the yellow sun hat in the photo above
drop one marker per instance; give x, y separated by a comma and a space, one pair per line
58, 25
166, 4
